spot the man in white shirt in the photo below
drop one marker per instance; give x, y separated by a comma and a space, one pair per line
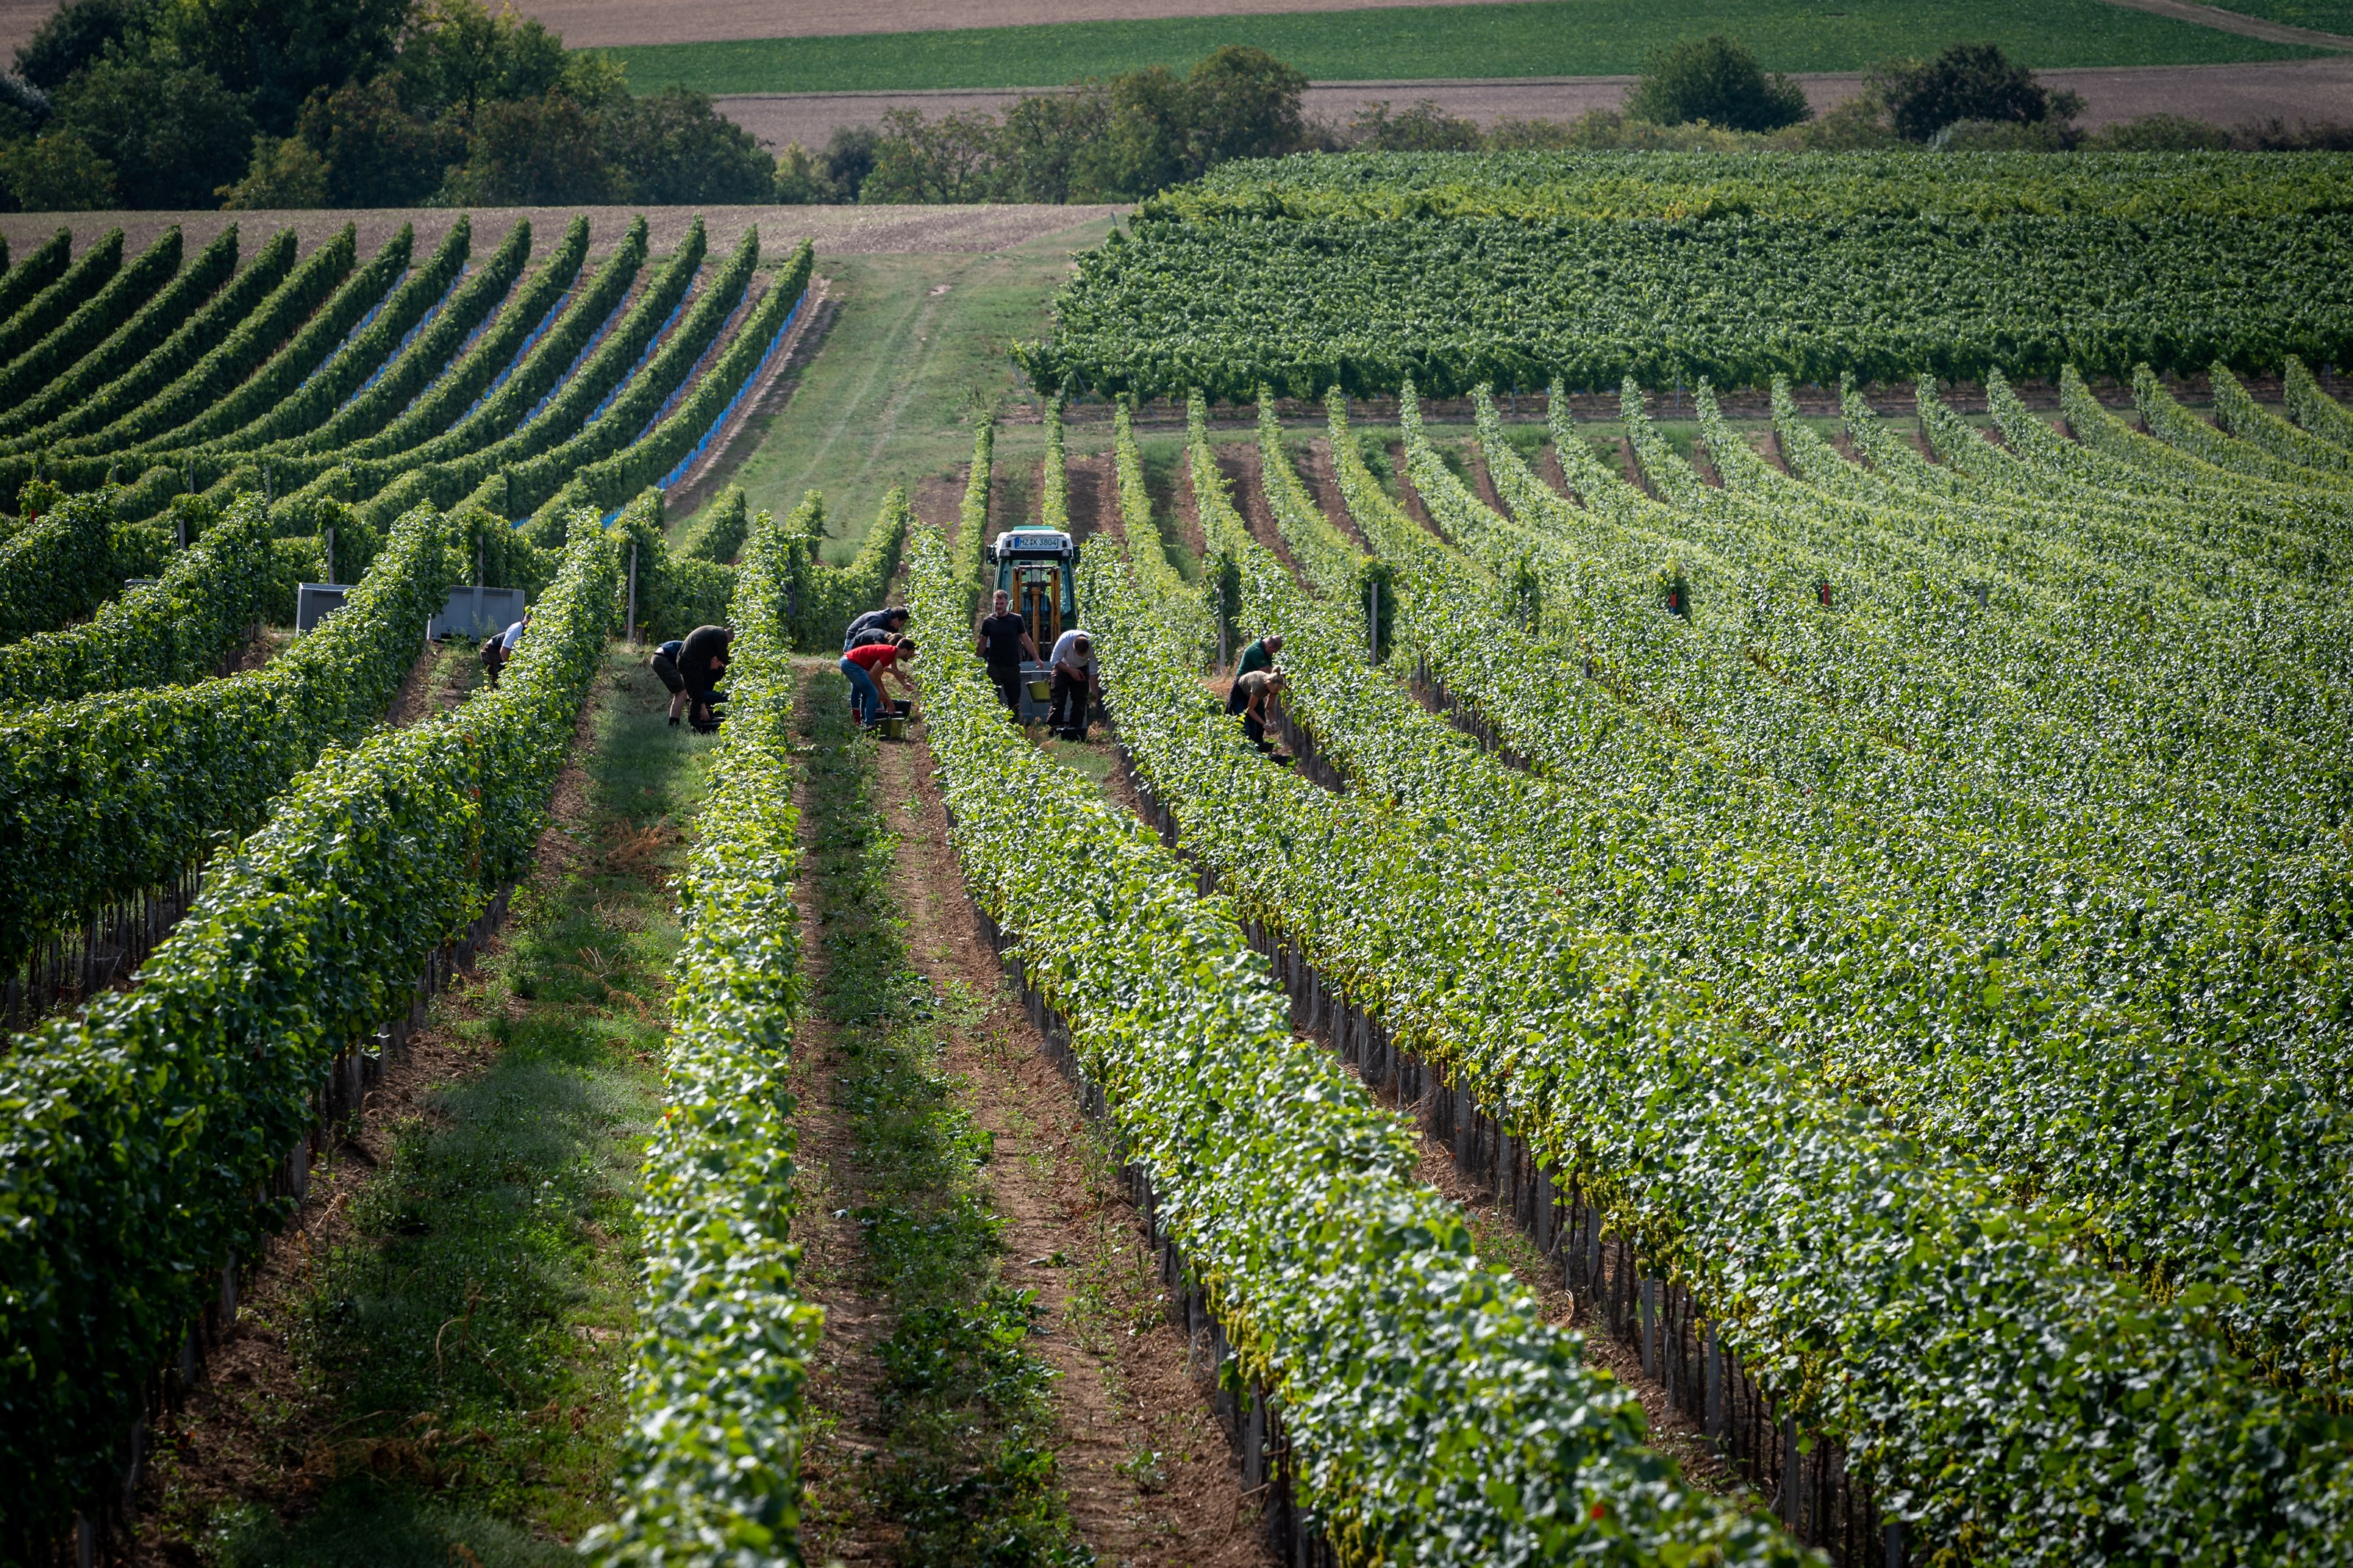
514, 632
1076, 684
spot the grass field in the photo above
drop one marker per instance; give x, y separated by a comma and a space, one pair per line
889, 398
1568, 37
2326, 16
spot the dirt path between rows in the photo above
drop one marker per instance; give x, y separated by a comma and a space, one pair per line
1315, 471
844, 1422
1240, 465
443, 676
1148, 1473
1186, 508
939, 500
1094, 494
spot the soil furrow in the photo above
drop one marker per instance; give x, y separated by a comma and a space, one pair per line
1149, 1474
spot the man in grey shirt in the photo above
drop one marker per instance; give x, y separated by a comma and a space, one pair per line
1076, 684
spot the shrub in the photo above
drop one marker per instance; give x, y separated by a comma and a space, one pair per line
2004, 136
1968, 82
175, 135
58, 173
285, 172
1424, 128
1714, 78
2158, 133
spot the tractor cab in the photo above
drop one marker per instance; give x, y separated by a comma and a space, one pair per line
1037, 570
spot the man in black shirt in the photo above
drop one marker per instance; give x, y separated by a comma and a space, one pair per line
1003, 641
875, 626
701, 660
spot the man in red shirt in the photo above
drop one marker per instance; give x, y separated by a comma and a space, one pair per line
867, 665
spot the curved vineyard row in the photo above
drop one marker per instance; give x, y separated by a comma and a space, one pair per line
1639, 1087
1343, 1283
152, 1150
1922, 986
348, 394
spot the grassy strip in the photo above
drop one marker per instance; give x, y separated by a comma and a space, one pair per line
965, 1472
917, 342
465, 1335
2327, 15
1549, 37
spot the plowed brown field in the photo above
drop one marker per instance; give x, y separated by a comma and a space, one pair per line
838, 231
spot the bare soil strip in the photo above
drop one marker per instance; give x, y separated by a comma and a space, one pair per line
1147, 1473
1315, 470
1240, 465
939, 502
1150, 1476
1093, 495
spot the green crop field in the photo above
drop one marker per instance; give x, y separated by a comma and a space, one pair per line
2323, 16
1518, 270
1567, 38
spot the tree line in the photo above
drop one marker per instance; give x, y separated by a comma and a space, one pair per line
1137, 134
344, 103
341, 103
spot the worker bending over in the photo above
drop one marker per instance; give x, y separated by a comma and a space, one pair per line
664, 664
1002, 639
1253, 697
1076, 684
867, 665
875, 626
701, 661
498, 652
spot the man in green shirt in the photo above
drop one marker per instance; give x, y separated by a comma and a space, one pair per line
1260, 655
